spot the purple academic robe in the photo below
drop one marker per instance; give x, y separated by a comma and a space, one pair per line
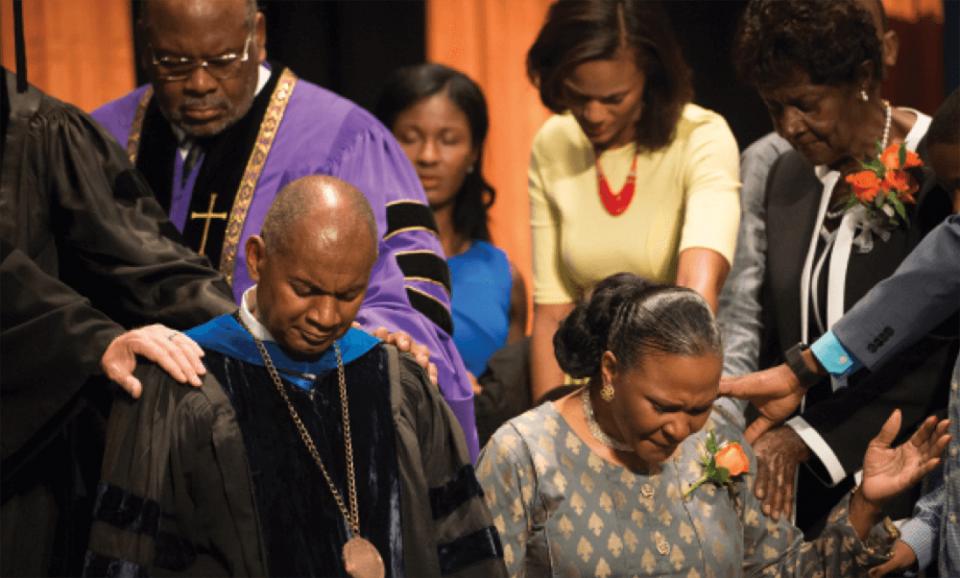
323, 133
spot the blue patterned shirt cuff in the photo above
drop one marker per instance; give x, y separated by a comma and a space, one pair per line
833, 356
922, 539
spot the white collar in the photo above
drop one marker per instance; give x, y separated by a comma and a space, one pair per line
258, 330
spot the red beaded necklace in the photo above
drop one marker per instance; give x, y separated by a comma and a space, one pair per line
617, 203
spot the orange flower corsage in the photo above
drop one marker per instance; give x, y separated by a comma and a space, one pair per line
885, 185
722, 462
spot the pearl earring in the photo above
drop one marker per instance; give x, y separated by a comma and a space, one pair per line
864, 96
470, 169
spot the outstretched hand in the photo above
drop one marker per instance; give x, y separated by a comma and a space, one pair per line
405, 344
887, 471
776, 393
176, 353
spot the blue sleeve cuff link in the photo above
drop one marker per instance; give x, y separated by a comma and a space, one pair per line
833, 356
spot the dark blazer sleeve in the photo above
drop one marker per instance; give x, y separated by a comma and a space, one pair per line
923, 291
915, 382
447, 528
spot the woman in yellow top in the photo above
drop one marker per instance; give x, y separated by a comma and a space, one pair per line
629, 175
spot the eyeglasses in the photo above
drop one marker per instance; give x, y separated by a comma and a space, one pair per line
222, 67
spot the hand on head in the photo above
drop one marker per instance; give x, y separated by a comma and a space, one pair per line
654, 381
776, 393
176, 353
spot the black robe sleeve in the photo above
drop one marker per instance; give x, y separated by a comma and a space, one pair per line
88, 252
447, 528
115, 242
51, 342
175, 497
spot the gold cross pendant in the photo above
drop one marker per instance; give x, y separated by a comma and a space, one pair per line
208, 217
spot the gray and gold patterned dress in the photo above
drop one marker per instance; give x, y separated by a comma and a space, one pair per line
561, 510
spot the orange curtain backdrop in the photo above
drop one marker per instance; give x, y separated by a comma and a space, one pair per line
488, 40
918, 78
80, 51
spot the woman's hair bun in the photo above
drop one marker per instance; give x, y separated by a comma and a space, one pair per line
634, 317
582, 337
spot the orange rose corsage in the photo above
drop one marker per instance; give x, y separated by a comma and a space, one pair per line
885, 185
722, 462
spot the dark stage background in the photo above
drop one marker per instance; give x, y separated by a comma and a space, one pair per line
350, 46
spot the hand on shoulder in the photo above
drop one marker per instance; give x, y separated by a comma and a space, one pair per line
172, 350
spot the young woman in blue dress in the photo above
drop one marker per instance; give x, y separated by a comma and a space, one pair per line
439, 116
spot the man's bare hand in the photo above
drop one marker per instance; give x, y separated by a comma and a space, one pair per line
887, 470
776, 393
474, 384
779, 452
176, 353
903, 559
403, 342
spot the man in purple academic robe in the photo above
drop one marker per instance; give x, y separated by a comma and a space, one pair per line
219, 131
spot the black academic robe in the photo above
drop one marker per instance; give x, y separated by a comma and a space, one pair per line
85, 252
216, 481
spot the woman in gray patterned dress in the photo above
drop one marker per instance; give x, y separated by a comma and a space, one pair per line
594, 484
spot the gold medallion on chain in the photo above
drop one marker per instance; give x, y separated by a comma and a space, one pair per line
360, 557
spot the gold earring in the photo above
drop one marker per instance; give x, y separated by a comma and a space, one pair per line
607, 392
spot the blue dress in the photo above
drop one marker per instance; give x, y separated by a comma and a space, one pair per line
481, 282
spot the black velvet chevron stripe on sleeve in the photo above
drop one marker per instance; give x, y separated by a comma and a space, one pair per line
125, 510
97, 565
425, 265
404, 215
447, 498
432, 309
466, 550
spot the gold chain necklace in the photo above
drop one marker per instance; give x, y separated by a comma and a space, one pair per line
360, 557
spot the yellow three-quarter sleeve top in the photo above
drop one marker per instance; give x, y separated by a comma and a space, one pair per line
687, 195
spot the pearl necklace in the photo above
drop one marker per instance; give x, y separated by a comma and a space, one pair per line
594, 427
887, 121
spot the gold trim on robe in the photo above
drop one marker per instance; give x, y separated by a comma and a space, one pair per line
133, 142
258, 159
251, 174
